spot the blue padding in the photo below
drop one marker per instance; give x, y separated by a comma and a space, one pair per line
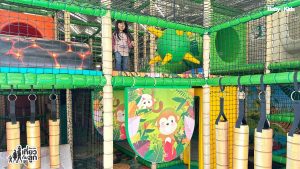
49, 71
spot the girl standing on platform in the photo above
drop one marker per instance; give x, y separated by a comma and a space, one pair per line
122, 43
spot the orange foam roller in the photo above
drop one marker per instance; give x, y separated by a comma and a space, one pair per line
241, 147
13, 140
54, 135
34, 140
222, 145
293, 151
263, 144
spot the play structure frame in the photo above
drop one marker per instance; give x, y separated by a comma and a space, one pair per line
44, 78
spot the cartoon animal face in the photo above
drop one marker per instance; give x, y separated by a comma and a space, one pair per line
167, 122
120, 116
145, 102
167, 125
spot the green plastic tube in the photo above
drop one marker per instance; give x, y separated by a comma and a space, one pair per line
46, 81
279, 159
26, 92
295, 64
195, 163
25, 9
141, 19
272, 78
55, 5
65, 81
288, 118
252, 16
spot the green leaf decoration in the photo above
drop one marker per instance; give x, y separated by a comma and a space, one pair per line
158, 153
142, 120
149, 154
142, 111
180, 100
144, 137
179, 148
132, 96
149, 130
116, 134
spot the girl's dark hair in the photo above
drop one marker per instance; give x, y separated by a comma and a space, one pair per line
126, 31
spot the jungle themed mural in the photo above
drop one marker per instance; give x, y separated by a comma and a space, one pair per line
159, 121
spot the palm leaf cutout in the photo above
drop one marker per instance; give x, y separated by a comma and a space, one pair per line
179, 100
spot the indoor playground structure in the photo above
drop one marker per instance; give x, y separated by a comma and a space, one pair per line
204, 84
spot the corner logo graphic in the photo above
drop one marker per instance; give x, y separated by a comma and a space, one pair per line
278, 9
23, 155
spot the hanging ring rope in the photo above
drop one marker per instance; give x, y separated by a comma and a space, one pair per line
222, 88
296, 106
242, 94
221, 114
32, 98
241, 117
263, 121
53, 98
12, 105
292, 95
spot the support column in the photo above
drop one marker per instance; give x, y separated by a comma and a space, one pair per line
91, 98
206, 89
145, 46
2, 113
67, 24
206, 104
152, 37
269, 46
107, 91
136, 46
69, 121
67, 30
55, 26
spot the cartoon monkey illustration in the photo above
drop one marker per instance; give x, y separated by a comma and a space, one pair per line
146, 102
167, 125
120, 117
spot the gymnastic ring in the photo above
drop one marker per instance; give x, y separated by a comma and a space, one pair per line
293, 94
8, 97
35, 97
243, 94
260, 94
51, 95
